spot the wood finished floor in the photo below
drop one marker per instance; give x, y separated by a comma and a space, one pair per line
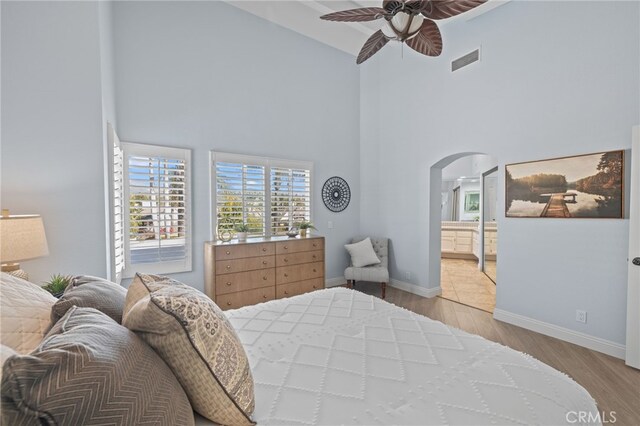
613, 385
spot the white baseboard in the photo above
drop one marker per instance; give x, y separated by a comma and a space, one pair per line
411, 288
591, 342
334, 282
415, 289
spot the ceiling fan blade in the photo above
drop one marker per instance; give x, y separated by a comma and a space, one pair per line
442, 9
428, 41
356, 15
371, 46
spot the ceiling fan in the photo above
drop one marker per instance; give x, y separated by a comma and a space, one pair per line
409, 21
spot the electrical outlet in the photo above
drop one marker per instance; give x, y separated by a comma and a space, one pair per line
581, 316
407, 275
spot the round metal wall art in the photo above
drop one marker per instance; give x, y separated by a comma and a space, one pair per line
336, 194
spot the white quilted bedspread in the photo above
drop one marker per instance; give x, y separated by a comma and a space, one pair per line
338, 356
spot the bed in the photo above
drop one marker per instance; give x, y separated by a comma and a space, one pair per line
338, 356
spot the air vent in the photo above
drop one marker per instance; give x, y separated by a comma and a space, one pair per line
465, 60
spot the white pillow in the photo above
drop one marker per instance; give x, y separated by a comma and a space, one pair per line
25, 313
362, 253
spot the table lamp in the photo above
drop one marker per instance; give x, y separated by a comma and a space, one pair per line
22, 237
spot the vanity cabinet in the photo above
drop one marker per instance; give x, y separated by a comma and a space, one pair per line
261, 269
459, 241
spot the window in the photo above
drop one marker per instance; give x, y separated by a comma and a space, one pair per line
267, 194
155, 212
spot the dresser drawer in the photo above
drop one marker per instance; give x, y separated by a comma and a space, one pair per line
230, 283
244, 250
300, 287
295, 246
246, 264
307, 271
244, 298
298, 258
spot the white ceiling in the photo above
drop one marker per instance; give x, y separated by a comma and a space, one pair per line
302, 16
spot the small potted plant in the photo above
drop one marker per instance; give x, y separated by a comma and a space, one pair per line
57, 284
241, 231
303, 226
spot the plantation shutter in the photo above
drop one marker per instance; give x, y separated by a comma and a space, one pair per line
240, 196
290, 198
269, 195
157, 210
118, 208
117, 223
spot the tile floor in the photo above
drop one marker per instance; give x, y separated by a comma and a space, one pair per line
490, 269
463, 282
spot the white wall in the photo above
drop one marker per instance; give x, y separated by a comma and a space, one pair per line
51, 130
548, 86
208, 76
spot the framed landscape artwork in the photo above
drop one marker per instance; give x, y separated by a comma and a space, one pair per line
583, 186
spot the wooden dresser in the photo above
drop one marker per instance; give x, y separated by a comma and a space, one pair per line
261, 269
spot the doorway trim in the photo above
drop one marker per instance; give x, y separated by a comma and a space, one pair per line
435, 215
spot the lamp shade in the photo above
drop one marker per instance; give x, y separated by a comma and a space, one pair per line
22, 237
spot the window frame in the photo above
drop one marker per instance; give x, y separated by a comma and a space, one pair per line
163, 266
267, 163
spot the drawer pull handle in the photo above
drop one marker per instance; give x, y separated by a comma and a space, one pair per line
264, 262
228, 252
286, 292
314, 269
228, 283
228, 303
315, 286
264, 249
264, 278
286, 275
228, 266
264, 296
315, 245
286, 247
286, 260
313, 257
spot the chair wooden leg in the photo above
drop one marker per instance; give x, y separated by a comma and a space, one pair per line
384, 289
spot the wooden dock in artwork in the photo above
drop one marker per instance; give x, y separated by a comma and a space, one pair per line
557, 205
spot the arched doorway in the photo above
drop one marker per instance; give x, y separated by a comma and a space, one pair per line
463, 228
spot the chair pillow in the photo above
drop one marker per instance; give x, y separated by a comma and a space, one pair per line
194, 337
91, 370
362, 253
91, 292
25, 311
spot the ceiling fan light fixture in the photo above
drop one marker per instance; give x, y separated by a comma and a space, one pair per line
405, 25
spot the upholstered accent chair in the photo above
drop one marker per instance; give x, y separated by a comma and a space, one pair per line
374, 273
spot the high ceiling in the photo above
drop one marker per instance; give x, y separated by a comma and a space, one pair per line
303, 17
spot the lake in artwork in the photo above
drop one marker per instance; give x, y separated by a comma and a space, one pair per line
584, 186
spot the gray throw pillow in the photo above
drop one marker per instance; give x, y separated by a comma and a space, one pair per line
195, 338
89, 370
86, 291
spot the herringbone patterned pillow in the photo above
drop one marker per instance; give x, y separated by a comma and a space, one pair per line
197, 341
86, 291
89, 370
